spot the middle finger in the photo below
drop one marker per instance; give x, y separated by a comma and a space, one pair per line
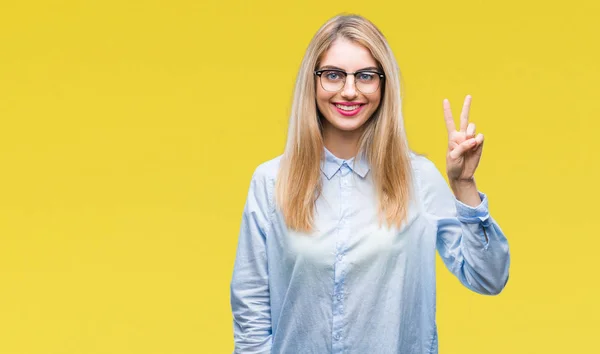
464, 115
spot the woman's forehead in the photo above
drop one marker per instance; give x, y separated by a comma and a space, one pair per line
348, 55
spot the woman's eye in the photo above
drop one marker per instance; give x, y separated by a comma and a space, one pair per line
332, 76
366, 76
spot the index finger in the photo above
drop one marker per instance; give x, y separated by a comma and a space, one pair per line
448, 116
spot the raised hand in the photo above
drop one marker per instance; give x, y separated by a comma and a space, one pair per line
464, 148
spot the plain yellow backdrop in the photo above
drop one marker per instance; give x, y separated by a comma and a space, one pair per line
129, 131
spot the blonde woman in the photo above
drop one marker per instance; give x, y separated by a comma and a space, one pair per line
336, 252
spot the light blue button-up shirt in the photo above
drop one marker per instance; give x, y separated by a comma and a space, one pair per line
352, 286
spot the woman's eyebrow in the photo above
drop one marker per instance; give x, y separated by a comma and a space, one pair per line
331, 67
372, 68
369, 68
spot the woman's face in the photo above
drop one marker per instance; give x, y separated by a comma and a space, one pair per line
339, 108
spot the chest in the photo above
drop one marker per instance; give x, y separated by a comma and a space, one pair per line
347, 228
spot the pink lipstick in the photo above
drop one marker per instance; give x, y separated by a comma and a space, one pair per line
349, 108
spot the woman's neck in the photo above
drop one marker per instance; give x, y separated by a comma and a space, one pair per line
342, 144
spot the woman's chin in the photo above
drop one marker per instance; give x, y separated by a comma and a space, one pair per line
343, 123
347, 125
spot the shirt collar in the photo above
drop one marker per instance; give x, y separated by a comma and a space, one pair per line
331, 164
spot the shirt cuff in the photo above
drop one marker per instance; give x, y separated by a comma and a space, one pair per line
474, 215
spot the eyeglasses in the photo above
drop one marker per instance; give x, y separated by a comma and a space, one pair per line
366, 81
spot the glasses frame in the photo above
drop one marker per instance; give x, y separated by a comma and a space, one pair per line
321, 71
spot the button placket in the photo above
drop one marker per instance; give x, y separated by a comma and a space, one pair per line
340, 267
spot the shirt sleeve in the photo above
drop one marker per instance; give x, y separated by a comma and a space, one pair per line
250, 302
469, 240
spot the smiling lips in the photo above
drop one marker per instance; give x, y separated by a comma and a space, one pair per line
348, 109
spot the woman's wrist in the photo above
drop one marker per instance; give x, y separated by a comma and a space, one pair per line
466, 191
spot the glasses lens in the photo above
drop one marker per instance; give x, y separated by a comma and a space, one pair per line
332, 80
367, 82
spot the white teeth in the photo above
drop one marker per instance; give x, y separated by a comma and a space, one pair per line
347, 108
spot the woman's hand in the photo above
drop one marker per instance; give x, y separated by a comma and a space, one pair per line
464, 148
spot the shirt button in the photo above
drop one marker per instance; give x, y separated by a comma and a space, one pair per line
337, 336
339, 297
340, 256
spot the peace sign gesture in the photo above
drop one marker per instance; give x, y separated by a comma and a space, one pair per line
464, 148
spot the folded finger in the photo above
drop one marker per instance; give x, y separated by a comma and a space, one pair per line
470, 130
462, 148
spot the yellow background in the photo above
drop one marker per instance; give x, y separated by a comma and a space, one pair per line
129, 131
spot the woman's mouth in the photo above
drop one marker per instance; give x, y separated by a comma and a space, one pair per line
348, 110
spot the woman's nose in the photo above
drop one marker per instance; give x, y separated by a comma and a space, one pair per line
349, 91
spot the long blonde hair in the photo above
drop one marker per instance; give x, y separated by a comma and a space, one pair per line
383, 141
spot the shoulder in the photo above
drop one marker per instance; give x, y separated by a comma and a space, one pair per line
424, 169
261, 191
262, 184
267, 170
433, 189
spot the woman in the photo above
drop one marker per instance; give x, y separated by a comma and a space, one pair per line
337, 245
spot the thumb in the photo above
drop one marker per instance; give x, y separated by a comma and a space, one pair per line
462, 148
